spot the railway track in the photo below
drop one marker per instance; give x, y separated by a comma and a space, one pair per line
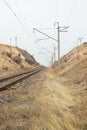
8, 81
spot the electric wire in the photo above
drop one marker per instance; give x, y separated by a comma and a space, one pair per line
23, 26
0, 1
72, 11
18, 7
57, 10
21, 13
46, 28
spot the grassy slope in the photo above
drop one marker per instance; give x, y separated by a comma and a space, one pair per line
13, 61
74, 75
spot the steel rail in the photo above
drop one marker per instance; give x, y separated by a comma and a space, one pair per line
17, 74
6, 82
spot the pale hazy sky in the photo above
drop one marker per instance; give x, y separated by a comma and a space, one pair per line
43, 14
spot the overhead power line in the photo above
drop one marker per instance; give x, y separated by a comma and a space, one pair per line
17, 7
45, 28
17, 17
20, 12
0, 0
72, 11
41, 39
60, 29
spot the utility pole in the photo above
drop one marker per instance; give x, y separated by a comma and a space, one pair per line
54, 53
50, 53
51, 56
59, 29
10, 45
58, 32
10, 41
16, 41
80, 40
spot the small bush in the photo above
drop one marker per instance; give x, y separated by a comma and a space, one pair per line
28, 60
19, 55
10, 61
22, 66
5, 68
16, 59
8, 54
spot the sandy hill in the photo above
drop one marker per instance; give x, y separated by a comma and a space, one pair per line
14, 59
74, 65
72, 71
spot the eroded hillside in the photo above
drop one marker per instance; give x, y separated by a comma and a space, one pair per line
14, 59
73, 74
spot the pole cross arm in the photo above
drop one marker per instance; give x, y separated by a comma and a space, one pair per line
34, 29
64, 29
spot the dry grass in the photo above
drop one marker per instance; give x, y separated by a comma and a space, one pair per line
43, 105
55, 100
13, 61
73, 75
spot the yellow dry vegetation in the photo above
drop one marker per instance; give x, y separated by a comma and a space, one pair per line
55, 100
43, 105
73, 74
12, 60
